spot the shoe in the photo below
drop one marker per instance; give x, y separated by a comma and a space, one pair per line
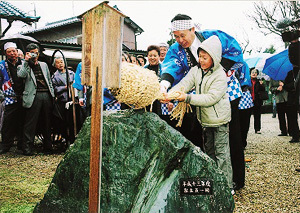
248, 160
297, 169
257, 132
282, 134
3, 151
232, 192
294, 140
237, 186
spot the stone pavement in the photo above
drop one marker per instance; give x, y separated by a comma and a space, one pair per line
272, 184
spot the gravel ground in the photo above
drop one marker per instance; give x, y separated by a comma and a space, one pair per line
272, 184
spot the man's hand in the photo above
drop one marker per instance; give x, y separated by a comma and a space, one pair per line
27, 56
170, 106
166, 98
164, 85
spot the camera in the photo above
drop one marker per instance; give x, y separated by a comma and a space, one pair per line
33, 55
289, 29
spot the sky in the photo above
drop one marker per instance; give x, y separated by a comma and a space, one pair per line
154, 18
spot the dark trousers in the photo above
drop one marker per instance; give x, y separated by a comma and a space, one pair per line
13, 122
64, 125
236, 147
257, 117
245, 115
281, 111
190, 128
292, 117
41, 110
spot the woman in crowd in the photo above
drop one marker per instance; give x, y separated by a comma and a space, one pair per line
63, 121
257, 87
154, 65
141, 60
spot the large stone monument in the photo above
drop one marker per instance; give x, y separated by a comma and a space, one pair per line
147, 166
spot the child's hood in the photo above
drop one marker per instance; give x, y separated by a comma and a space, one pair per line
213, 47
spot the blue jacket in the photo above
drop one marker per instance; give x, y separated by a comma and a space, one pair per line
108, 97
175, 62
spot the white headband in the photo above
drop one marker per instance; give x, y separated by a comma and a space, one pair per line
9, 45
182, 25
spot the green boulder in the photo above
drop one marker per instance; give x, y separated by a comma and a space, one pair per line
147, 166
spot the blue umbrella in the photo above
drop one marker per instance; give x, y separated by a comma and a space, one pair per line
251, 62
257, 60
278, 65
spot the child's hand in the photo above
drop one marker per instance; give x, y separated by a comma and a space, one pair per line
181, 97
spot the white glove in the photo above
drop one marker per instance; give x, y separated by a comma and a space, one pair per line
164, 85
68, 104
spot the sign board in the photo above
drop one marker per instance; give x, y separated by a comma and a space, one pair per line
196, 186
102, 36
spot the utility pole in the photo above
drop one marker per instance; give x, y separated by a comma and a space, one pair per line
34, 13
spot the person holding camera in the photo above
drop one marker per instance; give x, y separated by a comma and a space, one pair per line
11, 93
37, 99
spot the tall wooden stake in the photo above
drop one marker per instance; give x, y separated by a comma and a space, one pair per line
102, 47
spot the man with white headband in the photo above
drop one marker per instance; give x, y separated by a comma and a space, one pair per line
11, 91
180, 57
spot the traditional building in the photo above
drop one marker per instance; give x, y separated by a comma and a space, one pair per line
67, 35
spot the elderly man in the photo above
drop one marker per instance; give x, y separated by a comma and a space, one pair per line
11, 92
37, 99
163, 51
180, 57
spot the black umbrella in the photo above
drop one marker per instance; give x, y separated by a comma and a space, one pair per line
21, 41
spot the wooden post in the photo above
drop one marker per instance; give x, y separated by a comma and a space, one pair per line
102, 46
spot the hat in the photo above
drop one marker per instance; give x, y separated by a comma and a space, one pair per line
163, 45
9, 45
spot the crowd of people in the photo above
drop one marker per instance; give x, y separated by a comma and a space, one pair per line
222, 90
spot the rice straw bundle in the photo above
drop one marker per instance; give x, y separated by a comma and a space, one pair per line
179, 111
181, 108
139, 86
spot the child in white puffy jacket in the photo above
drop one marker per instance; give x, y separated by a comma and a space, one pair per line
212, 102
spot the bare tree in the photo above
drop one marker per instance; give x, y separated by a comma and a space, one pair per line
267, 14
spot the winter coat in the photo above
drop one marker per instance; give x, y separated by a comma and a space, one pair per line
280, 96
211, 99
24, 71
257, 89
59, 85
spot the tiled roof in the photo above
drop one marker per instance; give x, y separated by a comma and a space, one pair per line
10, 12
75, 19
55, 24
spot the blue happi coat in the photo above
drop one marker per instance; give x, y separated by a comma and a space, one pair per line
7, 91
108, 97
175, 62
